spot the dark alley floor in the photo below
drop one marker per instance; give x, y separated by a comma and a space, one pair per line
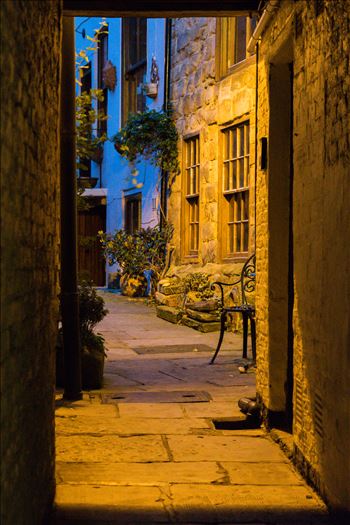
145, 450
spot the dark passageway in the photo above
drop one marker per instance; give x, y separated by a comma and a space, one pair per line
165, 442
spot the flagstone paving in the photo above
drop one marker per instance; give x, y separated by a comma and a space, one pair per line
144, 462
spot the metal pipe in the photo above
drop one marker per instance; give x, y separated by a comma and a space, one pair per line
269, 10
256, 135
69, 267
164, 174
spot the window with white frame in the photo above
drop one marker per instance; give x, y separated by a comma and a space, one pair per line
235, 189
191, 193
233, 35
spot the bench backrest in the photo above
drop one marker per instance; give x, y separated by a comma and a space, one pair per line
247, 279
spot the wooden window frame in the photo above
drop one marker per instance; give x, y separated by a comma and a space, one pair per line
129, 201
133, 73
191, 195
102, 57
226, 54
235, 188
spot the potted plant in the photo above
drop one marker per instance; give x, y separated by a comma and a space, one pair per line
136, 253
91, 311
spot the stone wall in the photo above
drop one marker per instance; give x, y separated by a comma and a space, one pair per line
204, 104
314, 37
30, 45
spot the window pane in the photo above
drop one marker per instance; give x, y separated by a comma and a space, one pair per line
246, 236
241, 173
246, 206
237, 247
241, 141
234, 143
241, 38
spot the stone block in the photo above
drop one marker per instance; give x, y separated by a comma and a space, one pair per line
201, 326
173, 315
220, 448
138, 474
105, 448
204, 317
168, 300
205, 306
170, 286
120, 505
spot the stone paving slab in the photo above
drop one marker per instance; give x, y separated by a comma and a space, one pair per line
105, 448
143, 474
140, 463
212, 410
132, 505
224, 448
261, 473
230, 504
127, 425
151, 410
88, 410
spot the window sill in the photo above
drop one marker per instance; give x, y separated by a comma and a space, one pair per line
237, 67
190, 259
229, 259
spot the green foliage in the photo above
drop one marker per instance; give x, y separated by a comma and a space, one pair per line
142, 250
198, 282
153, 135
88, 143
91, 311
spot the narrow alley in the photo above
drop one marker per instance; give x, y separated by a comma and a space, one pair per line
145, 449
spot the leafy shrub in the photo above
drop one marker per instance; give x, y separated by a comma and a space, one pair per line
153, 135
199, 283
137, 252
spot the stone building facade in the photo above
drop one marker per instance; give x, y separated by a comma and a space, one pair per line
213, 97
301, 86
302, 239
29, 255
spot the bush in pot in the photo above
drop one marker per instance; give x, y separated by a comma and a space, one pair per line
143, 250
91, 311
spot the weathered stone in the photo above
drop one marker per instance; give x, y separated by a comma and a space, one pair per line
237, 448
168, 300
205, 306
173, 315
204, 317
248, 504
139, 474
102, 447
201, 326
170, 286
120, 504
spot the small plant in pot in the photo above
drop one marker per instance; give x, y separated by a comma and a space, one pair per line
91, 311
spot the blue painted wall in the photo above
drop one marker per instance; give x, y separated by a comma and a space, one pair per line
114, 173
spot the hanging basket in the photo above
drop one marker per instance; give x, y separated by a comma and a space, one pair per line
109, 76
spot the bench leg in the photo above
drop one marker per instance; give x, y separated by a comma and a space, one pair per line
253, 337
245, 335
222, 330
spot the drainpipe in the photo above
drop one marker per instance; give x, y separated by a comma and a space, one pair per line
164, 174
69, 269
256, 134
265, 18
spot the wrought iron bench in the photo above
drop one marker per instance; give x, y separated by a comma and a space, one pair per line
245, 284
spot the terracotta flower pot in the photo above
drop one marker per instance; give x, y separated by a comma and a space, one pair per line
133, 285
